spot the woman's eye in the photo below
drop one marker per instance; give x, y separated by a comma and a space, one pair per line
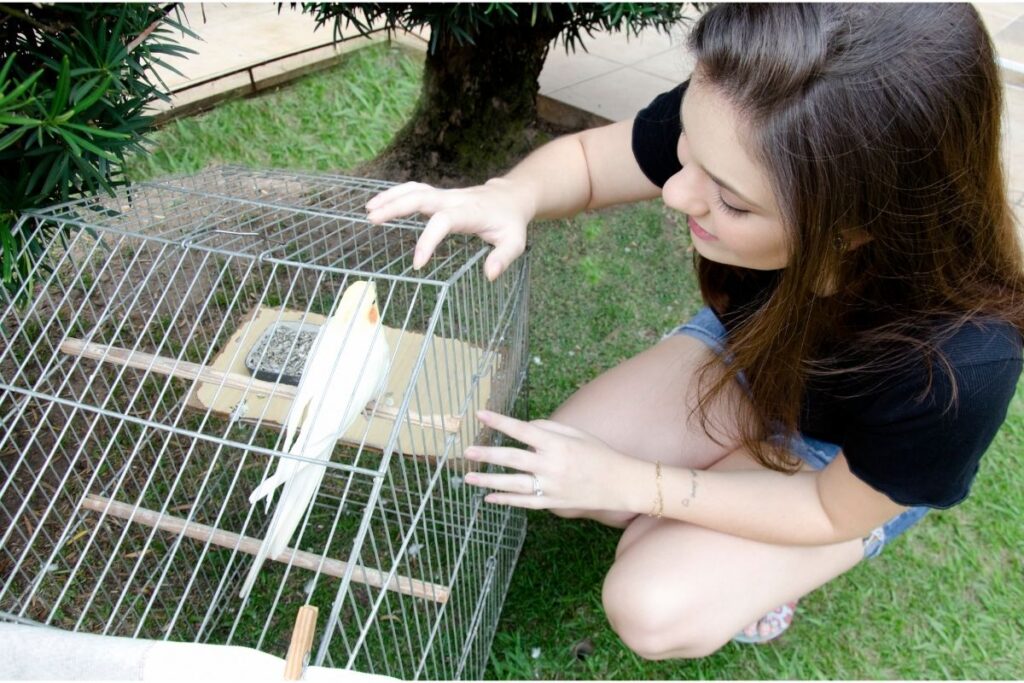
730, 209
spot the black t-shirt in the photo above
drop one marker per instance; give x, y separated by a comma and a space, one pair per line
914, 435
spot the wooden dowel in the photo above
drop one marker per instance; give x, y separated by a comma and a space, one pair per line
302, 643
171, 366
251, 546
183, 369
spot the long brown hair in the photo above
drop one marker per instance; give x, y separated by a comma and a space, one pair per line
882, 118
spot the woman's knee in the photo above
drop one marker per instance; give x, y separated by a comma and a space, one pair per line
657, 622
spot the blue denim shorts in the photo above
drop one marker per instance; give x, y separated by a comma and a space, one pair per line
706, 327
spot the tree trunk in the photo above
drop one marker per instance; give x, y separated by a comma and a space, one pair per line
476, 110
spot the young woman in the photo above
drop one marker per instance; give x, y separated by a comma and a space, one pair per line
839, 167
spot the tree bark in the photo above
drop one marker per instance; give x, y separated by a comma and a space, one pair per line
477, 108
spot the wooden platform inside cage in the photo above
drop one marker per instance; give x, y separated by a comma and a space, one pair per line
226, 386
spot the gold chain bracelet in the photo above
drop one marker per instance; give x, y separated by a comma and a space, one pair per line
659, 502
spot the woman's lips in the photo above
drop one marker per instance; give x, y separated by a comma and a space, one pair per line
699, 231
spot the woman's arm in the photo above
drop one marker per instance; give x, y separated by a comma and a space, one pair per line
586, 170
805, 508
575, 470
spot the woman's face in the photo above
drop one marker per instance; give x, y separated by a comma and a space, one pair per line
731, 210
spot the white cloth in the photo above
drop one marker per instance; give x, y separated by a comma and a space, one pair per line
43, 653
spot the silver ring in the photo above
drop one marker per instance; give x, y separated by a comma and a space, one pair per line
537, 490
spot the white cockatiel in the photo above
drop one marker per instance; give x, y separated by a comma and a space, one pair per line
347, 368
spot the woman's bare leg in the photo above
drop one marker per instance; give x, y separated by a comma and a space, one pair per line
678, 590
675, 589
643, 408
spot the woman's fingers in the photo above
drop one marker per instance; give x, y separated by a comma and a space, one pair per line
467, 219
524, 432
503, 456
510, 483
440, 225
503, 254
515, 490
435, 231
392, 193
485, 212
406, 200
518, 500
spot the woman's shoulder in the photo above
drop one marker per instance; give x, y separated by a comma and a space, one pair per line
918, 432
979, 359
981, 340
884, 346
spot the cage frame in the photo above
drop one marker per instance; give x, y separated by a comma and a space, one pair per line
512, 521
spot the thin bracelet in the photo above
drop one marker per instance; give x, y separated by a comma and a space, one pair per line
659, 503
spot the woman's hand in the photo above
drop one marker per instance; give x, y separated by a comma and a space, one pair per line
497, 212
571, 468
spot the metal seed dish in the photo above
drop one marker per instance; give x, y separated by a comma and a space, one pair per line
278, 356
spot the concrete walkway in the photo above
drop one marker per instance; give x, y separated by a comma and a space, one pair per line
614, 78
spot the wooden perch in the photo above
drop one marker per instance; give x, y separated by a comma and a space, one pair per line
302, 643
187, 370
251, 546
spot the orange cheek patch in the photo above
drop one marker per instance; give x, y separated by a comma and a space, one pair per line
374, 315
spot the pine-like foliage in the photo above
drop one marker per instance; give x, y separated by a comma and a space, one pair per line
463, 22
74, 80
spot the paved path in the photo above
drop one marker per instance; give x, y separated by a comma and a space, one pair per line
613, 79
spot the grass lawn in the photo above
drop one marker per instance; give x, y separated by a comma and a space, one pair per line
942, 602
324, 122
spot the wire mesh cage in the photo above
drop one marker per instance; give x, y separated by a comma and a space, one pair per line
144, 385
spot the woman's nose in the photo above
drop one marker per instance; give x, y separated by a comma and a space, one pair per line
682, 192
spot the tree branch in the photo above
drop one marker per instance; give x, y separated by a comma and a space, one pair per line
35, 23
149, 29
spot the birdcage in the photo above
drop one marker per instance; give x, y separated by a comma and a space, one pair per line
144, 382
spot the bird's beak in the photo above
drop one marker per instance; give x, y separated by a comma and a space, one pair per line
374, 314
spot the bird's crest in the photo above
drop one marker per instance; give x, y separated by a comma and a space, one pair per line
359, 299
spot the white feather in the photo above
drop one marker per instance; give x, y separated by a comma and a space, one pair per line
346, 369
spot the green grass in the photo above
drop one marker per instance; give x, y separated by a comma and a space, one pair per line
323, 122
942, 602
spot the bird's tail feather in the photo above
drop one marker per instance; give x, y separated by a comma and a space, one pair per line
273, 543
296, 415
266, 488
295, 499
286, 469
